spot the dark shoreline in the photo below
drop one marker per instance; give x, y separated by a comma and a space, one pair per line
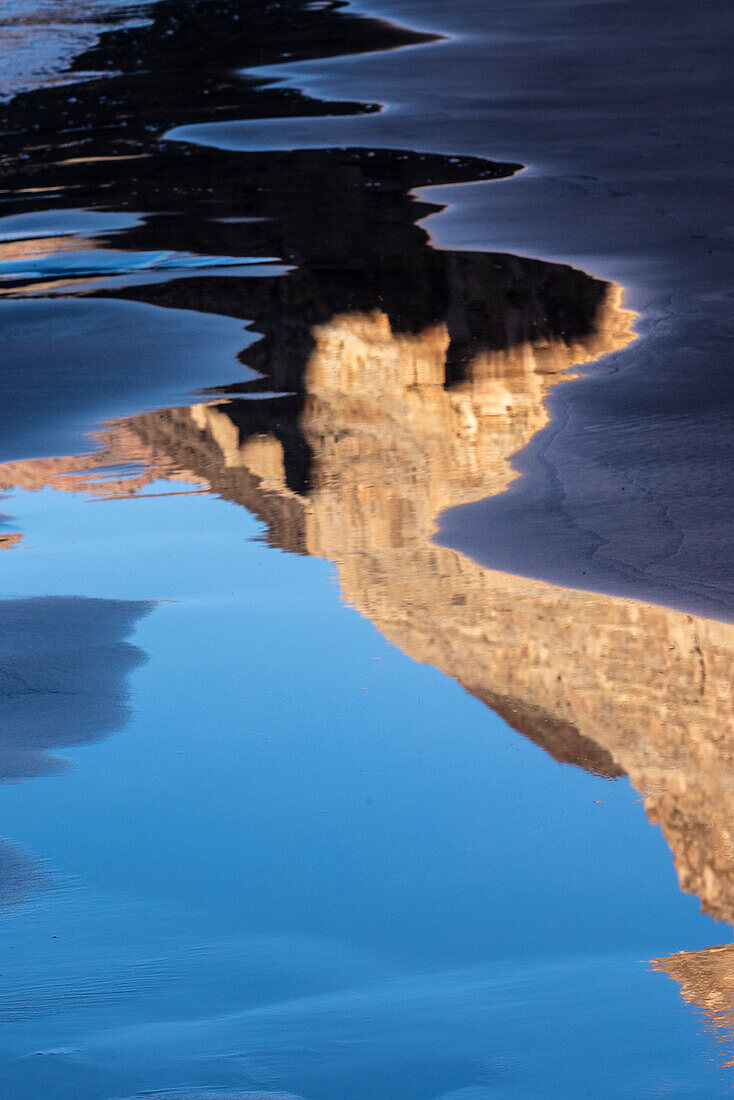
195, 203
308, 198
627, 109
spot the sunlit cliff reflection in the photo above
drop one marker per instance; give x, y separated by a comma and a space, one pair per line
706, 980
373, 429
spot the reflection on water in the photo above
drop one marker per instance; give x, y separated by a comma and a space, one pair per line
20, 875
395, 381
706, 979
381, 426
356, 468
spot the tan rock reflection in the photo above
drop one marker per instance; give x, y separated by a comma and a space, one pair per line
36, 248
14, 253
612, 685
356, 465
706, 980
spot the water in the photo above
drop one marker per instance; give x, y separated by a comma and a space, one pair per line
269, 882
298, 803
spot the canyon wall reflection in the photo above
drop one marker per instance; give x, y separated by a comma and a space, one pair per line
706, 980
364, 428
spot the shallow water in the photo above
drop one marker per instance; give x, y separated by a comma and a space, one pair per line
298, 803
268, 882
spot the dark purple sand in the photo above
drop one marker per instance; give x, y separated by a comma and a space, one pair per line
623, 111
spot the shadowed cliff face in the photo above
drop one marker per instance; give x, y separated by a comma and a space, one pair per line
142, 210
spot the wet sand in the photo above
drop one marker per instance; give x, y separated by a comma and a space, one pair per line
621, 113
627, 490
40, 39
63, 681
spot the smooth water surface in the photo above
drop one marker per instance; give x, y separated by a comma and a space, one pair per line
297, 802
312, 865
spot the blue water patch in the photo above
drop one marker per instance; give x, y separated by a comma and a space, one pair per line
312, 866
100, 262
67, 365
60, 223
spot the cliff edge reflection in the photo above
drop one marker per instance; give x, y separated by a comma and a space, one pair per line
365, 425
